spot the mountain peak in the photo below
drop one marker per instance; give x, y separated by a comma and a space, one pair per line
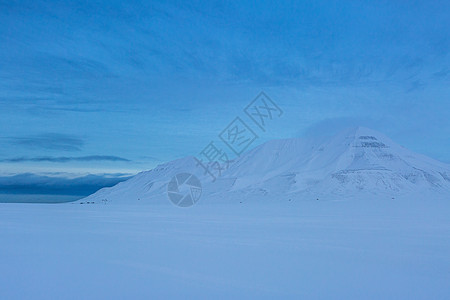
363, 137
358, 131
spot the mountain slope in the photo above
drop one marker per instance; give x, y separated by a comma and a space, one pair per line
357, 161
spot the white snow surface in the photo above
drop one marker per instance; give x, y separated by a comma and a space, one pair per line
365, 249
356, 163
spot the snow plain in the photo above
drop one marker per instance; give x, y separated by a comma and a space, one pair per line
300, 249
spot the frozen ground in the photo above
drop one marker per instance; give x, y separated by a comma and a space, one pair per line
359, 249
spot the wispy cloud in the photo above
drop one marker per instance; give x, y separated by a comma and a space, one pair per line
64, 159
51, 141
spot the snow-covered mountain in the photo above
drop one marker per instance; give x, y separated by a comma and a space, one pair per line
356, 162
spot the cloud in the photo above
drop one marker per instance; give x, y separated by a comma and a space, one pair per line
28, 183
64, 159
51, 141
331, 126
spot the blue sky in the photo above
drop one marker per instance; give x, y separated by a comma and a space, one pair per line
114, 87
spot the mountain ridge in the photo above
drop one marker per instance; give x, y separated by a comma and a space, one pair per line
356, 161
